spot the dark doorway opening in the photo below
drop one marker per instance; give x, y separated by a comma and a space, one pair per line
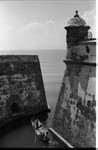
15, 108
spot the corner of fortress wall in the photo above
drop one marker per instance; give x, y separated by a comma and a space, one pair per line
21, 86
75, 114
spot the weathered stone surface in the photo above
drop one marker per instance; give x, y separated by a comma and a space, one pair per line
75, 114
21, 85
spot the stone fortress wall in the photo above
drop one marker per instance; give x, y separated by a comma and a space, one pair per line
21, 86
75, 115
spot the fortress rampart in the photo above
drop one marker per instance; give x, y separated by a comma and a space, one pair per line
21, 87
75, 114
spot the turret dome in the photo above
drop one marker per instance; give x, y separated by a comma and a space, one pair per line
76, 21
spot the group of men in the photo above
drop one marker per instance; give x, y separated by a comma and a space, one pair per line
43, 134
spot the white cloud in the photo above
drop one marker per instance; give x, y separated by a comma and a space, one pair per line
47, 35
41, 36
36, 27
90, 18
15, 34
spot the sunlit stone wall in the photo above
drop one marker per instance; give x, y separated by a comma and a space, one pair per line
75, 114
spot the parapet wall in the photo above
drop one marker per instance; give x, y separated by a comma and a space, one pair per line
21, 86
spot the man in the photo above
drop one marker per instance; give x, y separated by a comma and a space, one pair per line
37, 124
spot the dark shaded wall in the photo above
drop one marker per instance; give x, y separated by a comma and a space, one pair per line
21, 86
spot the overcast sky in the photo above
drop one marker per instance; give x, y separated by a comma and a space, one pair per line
40, 24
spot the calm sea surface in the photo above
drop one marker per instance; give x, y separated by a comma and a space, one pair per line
21, 134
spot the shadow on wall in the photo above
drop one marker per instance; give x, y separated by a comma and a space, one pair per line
14, 104
15, 108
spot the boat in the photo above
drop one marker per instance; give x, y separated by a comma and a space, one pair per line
40, 131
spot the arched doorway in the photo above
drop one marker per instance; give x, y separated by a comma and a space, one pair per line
14, 104
15, 108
